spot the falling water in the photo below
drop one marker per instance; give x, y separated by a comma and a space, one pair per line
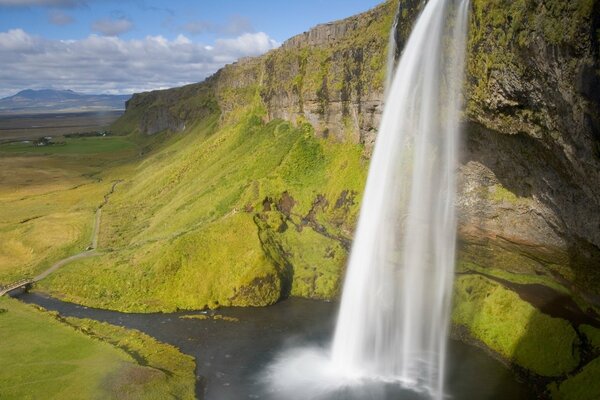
391, 56
393, 320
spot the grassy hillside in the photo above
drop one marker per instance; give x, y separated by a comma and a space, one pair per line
237, 213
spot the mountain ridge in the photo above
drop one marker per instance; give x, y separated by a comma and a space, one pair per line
53, 100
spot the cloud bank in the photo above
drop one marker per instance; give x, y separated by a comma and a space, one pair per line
109, 64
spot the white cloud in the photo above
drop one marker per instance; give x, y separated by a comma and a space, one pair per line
114, 65
112, 27
59, 18
247, 43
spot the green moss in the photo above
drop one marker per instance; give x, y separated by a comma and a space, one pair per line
526, 277
499, 193
218, 264
592, 334
513, 328
583, 386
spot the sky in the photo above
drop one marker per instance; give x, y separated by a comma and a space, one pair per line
128, 46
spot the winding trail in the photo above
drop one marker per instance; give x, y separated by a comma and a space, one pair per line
89, 252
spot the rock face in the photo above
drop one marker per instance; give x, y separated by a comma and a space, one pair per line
531, 165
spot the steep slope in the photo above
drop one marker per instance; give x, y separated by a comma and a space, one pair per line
254, 195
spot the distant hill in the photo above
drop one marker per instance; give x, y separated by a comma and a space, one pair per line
49, 100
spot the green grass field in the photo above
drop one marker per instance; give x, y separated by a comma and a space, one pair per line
74, 146
44, 358
49, 197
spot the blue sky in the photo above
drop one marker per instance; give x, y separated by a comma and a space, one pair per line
126, 46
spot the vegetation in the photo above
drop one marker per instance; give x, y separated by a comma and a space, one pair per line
513, 328
171, 373
113, 363
85, 145
582, 386
52, 198
187, 230
593, 336
17, 127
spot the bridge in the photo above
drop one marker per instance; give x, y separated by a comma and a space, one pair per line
23, 283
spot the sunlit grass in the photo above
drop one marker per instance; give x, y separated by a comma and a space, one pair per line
43, 358
514, 328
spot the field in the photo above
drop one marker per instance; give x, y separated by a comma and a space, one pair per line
31, 126
49, 197
45, 357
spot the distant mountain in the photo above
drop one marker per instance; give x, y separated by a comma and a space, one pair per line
49, 100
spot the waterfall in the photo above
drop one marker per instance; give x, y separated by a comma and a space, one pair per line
393, 318
391, 56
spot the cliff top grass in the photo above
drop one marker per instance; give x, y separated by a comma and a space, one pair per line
84, 365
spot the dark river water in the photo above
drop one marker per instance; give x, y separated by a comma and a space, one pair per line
232, 356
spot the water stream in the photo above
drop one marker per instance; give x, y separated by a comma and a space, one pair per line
231, 356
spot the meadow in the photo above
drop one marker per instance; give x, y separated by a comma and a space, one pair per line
49, 196
44, 356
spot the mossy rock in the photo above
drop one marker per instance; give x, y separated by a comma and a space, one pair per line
583, 386
513, 328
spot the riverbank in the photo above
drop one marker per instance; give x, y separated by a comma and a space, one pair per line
47, 356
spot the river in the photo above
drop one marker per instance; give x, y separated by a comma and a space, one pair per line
231, 355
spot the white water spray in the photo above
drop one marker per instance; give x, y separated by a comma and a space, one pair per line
394, 313
393, 320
